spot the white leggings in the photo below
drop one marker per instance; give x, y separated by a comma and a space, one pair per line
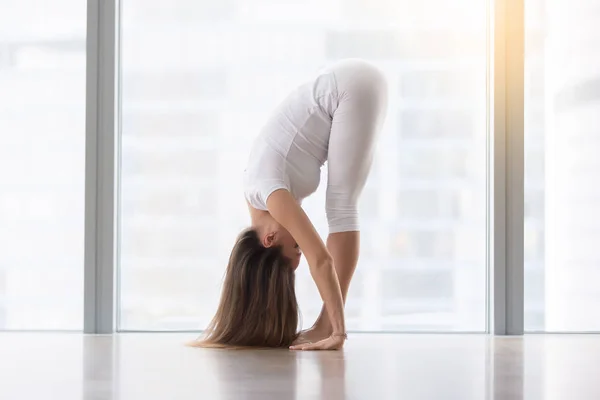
362, 96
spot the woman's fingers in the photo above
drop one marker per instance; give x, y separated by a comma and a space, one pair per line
301, 341
325, 344
307, 346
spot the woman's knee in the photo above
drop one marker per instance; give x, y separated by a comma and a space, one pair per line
341, 216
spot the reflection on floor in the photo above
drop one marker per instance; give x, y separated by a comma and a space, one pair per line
158, 366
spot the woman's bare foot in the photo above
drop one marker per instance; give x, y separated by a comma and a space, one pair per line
313, 335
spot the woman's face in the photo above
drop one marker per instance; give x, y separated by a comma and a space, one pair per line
289, 246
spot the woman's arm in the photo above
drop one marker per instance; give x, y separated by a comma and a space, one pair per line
284, 208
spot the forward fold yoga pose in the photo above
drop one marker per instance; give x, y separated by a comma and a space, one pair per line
335, 117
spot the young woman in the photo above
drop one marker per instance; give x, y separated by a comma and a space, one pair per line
335, 118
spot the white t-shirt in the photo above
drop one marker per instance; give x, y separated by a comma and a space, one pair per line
334, 117
292, 147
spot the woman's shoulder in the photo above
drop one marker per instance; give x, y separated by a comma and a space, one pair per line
260, 180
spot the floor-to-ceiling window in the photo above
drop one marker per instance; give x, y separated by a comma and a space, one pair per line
562, 167
199, 78
42, 163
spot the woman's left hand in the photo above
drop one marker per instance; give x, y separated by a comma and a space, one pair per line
330, 343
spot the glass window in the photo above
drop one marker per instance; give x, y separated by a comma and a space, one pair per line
433, 122
199, 80
562, 217
42, 163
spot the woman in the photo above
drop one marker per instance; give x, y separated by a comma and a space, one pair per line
334, 117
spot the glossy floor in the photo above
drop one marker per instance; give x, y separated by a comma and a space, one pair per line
158, 366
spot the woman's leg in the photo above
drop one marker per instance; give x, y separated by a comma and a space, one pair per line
363, 101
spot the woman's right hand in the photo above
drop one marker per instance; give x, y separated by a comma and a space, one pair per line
330, 343
311, 335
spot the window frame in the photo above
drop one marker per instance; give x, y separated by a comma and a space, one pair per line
101, 166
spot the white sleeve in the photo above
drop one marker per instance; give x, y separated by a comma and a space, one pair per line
267, 188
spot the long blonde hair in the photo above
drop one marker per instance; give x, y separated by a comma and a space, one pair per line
258, 305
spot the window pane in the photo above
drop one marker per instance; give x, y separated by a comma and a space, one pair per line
199, 80
562, 121
42, 163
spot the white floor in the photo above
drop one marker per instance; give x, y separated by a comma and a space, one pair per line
158, 366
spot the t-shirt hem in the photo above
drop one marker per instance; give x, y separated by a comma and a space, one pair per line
344, 228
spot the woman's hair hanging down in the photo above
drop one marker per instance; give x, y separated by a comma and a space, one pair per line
258, 305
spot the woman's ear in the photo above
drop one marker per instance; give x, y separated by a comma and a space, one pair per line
269, 239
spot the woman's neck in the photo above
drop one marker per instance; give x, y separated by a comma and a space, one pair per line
259, 218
